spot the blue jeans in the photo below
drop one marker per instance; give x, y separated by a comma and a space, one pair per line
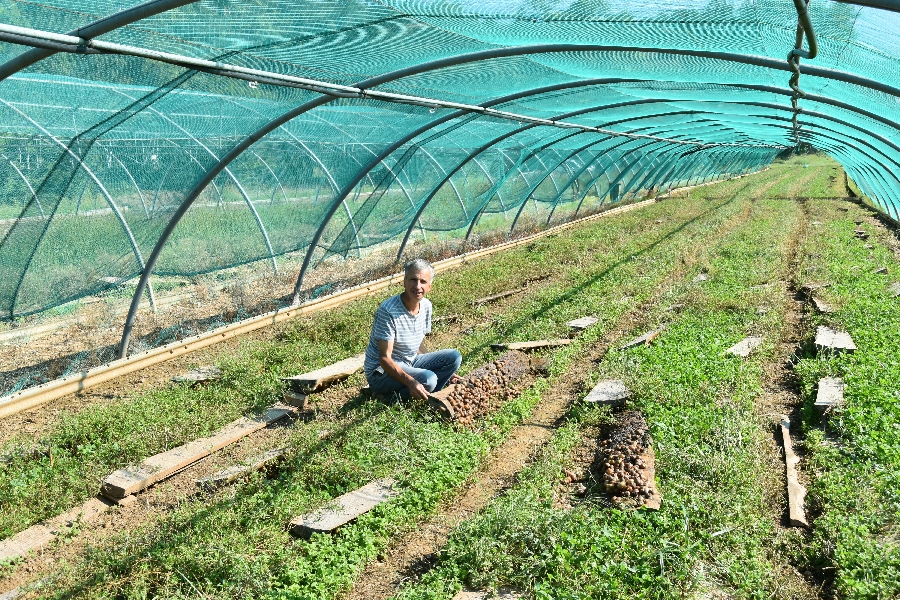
433, 370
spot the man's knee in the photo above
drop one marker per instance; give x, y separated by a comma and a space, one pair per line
457, 358
430, 380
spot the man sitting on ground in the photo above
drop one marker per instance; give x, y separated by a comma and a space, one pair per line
396, 359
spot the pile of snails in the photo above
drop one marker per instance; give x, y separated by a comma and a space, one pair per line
622, 468
487, 385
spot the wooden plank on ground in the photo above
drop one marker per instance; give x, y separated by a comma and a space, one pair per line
318, 379
199, 375
493, 297
582, 323
531, 345
609, 391
796, 492
644, 339
344, 509
894, 289
41, 534
701, 277
830, 394
156, 468
835, 341
744, 347
234, 473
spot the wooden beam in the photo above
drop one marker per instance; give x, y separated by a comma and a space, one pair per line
156, 468
318, 379
344, 509
796, 492
231, 474
39, 535
487, 299
531, 345
611, 392
645, 339
745, 346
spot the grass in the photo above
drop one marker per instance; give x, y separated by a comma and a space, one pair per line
86, 446
717, 533
714, 535
855, 495
171, 558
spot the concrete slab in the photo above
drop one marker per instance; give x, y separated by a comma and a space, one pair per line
745, 346
828, 339
830, 394
609, 391
582, 323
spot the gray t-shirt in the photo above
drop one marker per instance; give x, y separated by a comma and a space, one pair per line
394, 322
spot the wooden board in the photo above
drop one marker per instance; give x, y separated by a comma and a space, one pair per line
835, 341
583, 323
438, 401
894, 289
880, 271
745, 346
498, 296
796, 492
344, 509
701, 277
318, 379
531, 345
231, 474
609, 391
41, 534
295, 399
644, 339
129, 481
829, 394
199, 375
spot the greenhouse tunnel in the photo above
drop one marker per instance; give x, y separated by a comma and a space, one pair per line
183, 137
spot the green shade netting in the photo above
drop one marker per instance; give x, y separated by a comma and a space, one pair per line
98, 152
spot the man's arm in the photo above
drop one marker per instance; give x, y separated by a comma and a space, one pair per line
385, 348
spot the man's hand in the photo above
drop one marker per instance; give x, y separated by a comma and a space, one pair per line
417, 390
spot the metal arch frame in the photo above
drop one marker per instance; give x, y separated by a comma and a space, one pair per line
231, 175
490, 179
277, 180
818, 126
585, 167
571, 182
28, 183
325, 170
252, 138
91, 30
442, 170
334, 185
447, 176
130, 176
866, 154
169, 168
115, 209
534, 187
